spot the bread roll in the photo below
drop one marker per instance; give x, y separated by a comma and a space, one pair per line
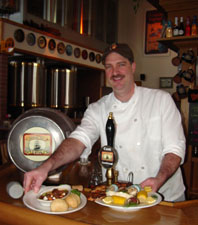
59, 205
73, 200
77, 198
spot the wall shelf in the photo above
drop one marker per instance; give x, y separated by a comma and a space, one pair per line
175, 43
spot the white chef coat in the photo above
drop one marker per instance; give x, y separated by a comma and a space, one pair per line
148, 126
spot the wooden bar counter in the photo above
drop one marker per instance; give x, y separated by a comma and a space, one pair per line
13, 211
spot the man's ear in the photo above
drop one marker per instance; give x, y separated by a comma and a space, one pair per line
133, 66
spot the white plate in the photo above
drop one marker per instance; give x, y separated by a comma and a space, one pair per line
30, 200
131, 208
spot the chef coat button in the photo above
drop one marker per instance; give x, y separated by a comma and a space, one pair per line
135, 120
142, 167
115, 106
125, 170
138, 143
120, 146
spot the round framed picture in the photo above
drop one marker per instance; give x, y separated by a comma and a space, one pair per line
84, 54
69, 50
91, 56
77, 52
42, 42
98, 58
52, 44
31, 39
61, 48
19, 35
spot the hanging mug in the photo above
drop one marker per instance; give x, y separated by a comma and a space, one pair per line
189, 56
176, 61
188, 75
181, 90
177, 78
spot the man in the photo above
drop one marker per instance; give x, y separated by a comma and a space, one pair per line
149, 136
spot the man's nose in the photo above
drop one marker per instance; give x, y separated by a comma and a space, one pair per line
114, 70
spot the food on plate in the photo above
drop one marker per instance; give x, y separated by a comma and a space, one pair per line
133, 201
128, 196
49, 193
113, 187
127, 192
150, 200
142, 196
77, 187
99, 191
121, 194
118, 200
59, 205
73, 199
54, 194
108, 200
148, 188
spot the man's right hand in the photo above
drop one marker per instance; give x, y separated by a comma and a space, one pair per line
34, 179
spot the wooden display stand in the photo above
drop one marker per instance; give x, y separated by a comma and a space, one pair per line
190, 167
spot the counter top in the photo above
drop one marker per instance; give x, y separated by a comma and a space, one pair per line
13, 211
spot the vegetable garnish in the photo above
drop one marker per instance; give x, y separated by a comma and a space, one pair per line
75, 191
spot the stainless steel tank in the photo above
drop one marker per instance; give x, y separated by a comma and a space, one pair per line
27, 84
35, 85
16, 83
35, 135
61, 90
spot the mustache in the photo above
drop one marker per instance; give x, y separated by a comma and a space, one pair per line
117, 76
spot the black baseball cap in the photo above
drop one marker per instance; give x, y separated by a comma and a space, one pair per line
120, 48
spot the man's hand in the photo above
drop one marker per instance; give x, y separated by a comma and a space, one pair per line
152, 182
69, 150
34, 179
170, 164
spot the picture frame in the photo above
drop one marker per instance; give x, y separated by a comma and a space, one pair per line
166, 82
154, 21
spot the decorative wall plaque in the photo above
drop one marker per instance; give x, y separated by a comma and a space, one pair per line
84, 54
69, 50
61, 48
42, 42
31, 39
52, 44
77, 52
19, 35
91, 56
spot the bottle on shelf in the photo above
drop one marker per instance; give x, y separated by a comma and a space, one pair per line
169, 31
175, 27
194, 26
181, 26
188, 28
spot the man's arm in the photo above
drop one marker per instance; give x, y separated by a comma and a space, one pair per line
69, 150
170, 164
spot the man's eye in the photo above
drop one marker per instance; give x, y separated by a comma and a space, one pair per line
122, 64
107, 67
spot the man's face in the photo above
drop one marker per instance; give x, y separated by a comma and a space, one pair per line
119, 73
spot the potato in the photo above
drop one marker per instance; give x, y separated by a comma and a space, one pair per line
73, 200
59, 205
